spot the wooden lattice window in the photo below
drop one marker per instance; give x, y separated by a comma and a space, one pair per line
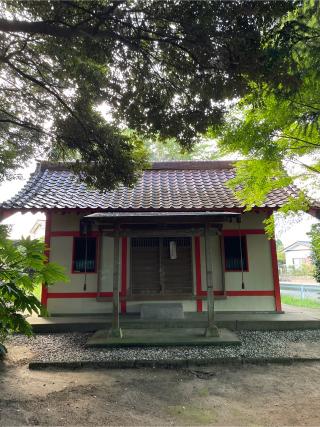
235, 250
84, 255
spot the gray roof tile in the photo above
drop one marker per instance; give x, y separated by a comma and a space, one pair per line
194, 185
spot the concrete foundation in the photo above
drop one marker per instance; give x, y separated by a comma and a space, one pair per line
293, 318
162, 337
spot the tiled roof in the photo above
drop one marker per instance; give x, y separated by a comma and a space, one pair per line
187, 186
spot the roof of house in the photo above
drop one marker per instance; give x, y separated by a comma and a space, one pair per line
166, 186
296, 244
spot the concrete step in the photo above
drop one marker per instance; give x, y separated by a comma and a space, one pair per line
162, 311
161, 338
236, 321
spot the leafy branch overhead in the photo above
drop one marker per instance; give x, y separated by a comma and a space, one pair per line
276, 125
163, 69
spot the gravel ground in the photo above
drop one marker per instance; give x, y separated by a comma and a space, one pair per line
255, 345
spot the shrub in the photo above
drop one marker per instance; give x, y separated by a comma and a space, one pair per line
23, 267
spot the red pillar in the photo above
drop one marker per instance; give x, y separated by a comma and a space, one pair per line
124, 255
197, 250
275, 274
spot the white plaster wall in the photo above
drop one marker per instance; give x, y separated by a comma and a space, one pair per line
91, 306
61, 249
65, 222
249, 220
61, 253
244, 303
259, 277
78, 306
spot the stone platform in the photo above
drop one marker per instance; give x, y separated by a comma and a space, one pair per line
162, 338
292, 318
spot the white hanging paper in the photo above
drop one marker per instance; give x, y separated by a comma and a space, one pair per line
173, 250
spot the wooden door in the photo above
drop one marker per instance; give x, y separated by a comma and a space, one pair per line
154, 272
177, 273
145, 266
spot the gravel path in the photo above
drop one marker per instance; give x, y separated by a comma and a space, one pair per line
69, 347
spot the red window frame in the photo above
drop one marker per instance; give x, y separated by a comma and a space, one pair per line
73, 255
245, 253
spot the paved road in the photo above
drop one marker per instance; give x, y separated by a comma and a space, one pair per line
300, 290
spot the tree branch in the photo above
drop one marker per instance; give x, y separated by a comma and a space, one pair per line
22, 124
310, 168
8, 26
49, 90
299, 140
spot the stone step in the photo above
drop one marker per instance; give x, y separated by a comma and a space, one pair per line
162, 311
161, 338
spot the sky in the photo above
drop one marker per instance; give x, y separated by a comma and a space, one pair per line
20, 224
288, 231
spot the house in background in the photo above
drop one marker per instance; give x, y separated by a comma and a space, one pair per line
178, 236
298, 254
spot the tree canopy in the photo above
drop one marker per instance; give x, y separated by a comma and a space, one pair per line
276, 125
161, 68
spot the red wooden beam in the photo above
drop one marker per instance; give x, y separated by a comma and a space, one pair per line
6, 213
72, 234
243, 232
124, 253
197, 251
241, 293
79, 294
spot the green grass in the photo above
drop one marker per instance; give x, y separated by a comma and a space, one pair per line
306, 302
191, 415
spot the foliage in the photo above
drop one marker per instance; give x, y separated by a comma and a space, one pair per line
23, 268
303, 270
306, 302
280, 253
276, 125
37, 291
172, 150
315, 245
162, 68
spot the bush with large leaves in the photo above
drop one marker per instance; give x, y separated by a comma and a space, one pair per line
315, 246
23, 267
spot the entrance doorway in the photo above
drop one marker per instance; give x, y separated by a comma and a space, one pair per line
161, 266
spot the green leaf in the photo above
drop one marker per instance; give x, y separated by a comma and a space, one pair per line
23, 266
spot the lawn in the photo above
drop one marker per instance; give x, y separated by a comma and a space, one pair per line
306, 302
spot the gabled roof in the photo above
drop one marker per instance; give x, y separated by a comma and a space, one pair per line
296, 244
165, 186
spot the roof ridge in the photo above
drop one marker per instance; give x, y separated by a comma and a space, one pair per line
192, 164
304, 242
162, 165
